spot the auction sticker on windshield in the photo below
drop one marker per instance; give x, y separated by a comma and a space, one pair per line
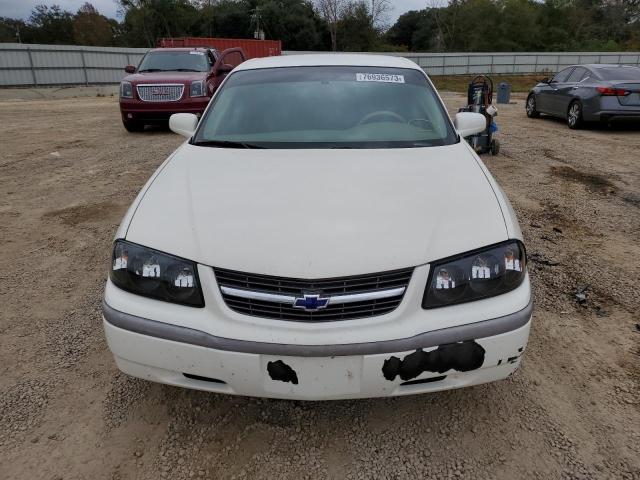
379, 77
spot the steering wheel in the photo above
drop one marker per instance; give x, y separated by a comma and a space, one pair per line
381, 113
421, 123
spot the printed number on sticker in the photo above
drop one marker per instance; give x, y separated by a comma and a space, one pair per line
379, 77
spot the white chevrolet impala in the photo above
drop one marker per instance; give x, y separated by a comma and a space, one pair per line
324, 233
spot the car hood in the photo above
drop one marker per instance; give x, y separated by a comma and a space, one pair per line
165, 77
318, 213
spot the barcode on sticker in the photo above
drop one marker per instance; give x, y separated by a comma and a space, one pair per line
379, 77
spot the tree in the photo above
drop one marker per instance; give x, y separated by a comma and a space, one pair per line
232, 19
444, 25
296, 23
145, 21
405, 30
332, 11
378, 11
51, 25
12, 30
359, 34
91, 28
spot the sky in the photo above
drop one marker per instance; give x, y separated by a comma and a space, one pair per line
22, 8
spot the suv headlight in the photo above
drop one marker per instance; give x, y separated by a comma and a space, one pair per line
126, 90
197, 89
482, 273
148, 272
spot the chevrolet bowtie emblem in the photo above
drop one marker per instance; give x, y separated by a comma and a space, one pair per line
311, 303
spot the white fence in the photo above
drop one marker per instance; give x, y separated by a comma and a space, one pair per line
508, 62
42, 65
513, 63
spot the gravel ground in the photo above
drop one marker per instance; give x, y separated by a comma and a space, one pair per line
68, 171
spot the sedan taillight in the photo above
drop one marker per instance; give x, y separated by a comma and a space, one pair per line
612, 92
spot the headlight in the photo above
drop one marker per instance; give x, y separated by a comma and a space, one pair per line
479, 274
126, 90
197, 89
154, 274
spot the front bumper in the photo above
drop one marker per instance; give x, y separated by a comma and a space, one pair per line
184, 357
137, 110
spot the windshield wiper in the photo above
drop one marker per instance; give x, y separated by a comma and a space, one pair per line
186, 70
225, 144
152, 70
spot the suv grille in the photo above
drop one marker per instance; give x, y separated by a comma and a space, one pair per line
273, 297
160, 93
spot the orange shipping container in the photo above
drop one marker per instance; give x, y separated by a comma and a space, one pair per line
252, 48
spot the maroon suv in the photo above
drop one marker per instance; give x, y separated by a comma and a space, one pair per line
173, 80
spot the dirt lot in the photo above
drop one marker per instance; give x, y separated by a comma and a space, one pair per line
68, 171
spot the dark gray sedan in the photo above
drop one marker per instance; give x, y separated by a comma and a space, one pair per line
588, 93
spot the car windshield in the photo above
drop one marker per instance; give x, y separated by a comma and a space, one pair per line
620, 73
191, 61
326, 107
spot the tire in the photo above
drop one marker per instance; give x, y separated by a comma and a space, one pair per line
574, 115
495, 147
530, 107
133, 126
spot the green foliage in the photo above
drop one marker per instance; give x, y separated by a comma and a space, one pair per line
295, 23
230, 19
11, 30
355, 29
50, 25
521, 25
147, 20
91, 28
458, 25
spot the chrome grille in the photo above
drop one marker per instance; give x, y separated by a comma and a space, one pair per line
164, 92
272, 297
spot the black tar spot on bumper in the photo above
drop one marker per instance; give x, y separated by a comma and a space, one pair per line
463, 357
282, 372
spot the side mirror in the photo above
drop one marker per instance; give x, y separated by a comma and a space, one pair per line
469, 123
183, 124
545, 80
224, 69
130, 69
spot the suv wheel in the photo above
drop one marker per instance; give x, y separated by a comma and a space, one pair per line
133, 126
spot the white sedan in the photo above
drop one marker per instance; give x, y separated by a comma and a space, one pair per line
324, 233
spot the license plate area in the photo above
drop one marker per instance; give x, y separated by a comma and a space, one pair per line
316, 376
632, 99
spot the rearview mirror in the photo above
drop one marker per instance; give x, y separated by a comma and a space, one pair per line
130, 69
183, 124
469, 123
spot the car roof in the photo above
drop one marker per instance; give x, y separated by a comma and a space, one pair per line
181, 49
610, 65
330, 59
601, 65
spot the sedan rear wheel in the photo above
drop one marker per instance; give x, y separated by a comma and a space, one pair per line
574, 116
532, 112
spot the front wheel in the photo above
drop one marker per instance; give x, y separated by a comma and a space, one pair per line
532, 112
495, 147
133, 126
574, 115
